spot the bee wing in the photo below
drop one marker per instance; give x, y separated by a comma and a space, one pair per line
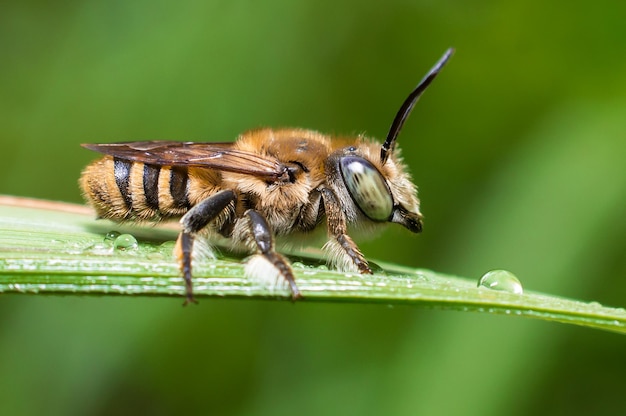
219, 156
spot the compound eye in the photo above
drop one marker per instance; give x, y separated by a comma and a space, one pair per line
366, 187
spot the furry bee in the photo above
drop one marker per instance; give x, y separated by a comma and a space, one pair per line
269, 183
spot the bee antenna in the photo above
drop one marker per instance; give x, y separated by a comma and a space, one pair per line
408, 104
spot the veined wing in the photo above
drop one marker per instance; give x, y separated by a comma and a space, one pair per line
218, 156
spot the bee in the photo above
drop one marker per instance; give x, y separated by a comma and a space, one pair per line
269, 184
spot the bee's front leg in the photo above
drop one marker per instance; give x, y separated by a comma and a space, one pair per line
193, 221
343, 250
259, 235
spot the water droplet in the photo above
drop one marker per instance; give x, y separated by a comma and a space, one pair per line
502, 280
125, 242
166, 249
167, 246
111, 235
298, 265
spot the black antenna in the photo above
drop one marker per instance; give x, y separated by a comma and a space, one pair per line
408, 104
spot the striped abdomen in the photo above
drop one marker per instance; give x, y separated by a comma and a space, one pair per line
123, 190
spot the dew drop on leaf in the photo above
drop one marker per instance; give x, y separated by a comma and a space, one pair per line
501, 280
125, 242
166, 248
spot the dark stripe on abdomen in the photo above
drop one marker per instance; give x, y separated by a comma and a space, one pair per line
121, 170
178, 187
151, 185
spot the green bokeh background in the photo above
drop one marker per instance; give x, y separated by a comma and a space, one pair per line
519, 150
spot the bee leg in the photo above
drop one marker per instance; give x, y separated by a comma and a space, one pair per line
183, 250
338, 229
261, 235
193, 221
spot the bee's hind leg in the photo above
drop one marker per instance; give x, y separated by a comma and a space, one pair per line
259, 235
193, 221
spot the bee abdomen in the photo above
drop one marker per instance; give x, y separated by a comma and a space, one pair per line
123, 190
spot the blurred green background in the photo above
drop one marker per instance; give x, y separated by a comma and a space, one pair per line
519, 150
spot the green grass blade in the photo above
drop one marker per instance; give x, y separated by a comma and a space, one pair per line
49, 248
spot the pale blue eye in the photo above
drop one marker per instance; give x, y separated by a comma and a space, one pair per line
367, 187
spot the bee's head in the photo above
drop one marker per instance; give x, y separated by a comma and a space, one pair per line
381, 193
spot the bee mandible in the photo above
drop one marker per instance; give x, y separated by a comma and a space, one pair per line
269, 184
